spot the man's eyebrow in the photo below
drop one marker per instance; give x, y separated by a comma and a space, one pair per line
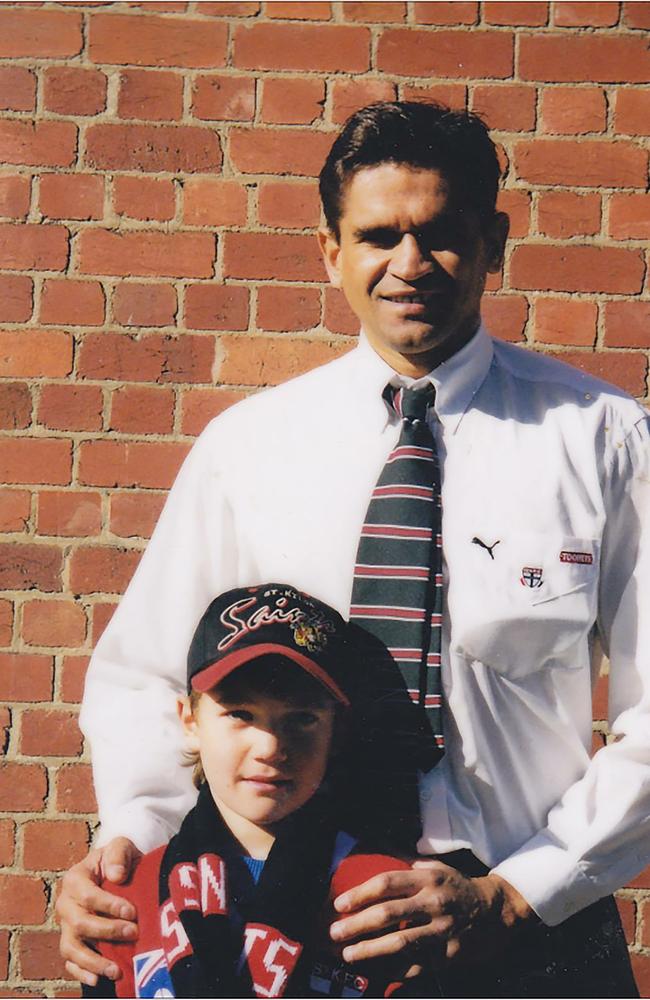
372, 232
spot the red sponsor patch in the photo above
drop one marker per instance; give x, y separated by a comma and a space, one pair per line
577, 557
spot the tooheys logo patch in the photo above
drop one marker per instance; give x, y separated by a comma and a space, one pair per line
151, 975
270, 957
585, 558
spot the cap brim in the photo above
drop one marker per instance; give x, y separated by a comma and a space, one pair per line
215, 672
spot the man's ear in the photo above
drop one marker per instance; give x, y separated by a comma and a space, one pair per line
330, 249
188, 721
495, 240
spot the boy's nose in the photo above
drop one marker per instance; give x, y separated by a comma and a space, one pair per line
409, 261
269, 746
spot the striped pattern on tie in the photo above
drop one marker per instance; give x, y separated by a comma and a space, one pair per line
397, 591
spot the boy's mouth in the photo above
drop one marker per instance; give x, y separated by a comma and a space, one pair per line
263, 782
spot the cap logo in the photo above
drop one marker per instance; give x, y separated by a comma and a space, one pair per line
308, 631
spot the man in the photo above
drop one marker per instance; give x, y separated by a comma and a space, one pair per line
545, 494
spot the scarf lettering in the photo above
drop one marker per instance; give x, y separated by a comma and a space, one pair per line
175, 941
201, 887
271, 958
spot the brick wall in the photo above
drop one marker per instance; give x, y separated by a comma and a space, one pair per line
157, 262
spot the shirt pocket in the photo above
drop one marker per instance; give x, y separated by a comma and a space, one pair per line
524, 603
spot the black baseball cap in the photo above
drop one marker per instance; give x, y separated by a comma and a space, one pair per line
274, 618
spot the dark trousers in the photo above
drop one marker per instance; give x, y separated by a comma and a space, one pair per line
585, 956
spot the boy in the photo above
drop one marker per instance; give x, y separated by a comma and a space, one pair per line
236, 903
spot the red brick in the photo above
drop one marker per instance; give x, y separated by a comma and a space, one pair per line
456, 12
209, 201
7, 835
291, 101
525, 13
71, 407
628, 371
283, 307
39, 33
72, 196
641, 964
74, 90
446, 53
74, 303
71, 514
600, 698
15, 298
565, 321
157, 41
632, 111
145, 198
642, 880
35, 353
22, 899
50, 733
142, 410
378, 13
216, 307
38, 955
576, 269
454, 95
288, 205
505, 316
6, 613
516, 204
629, 216
636, 15
25, 677
225, 98
23, 788
627, 324
645, 936
15, 406
15, 192
35, 460
100, 569
103, 611
72, 681
151, 358
146, 254
144, 305
573, 110
627, 912
588, 15
46, 143
509, 106
33, 247
589, 163
74, 789
14, 510
54, 845
338, 317
134, 514
270, 255
30, 567
267, 361
350, 95
199, 406
152, 465
584, 58
4, 954
269, 151
324, 48
150, 95
151, 148
17, 89
5, 728
313, 11
53, 623
225, 9
565, 213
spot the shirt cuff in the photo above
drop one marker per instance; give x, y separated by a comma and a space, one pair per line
139, 826
548, 879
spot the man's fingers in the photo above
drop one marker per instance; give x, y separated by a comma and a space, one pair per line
375, 918
118, 857
84, 963
388, 944
85, 896
87, 978
92, 927
388, 885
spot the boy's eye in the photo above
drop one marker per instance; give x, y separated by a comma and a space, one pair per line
304, 719
240, 714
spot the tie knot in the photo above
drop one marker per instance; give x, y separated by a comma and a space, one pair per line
411, 404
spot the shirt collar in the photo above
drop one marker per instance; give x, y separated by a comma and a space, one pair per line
456, 380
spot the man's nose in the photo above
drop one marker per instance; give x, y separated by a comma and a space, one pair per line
410, 260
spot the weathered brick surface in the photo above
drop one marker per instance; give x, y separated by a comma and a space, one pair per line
158, 203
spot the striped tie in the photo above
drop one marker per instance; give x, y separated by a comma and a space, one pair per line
397, 591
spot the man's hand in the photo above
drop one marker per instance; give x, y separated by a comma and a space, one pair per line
87, 913
431, 912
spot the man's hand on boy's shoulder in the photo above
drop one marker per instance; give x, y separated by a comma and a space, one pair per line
88, 913
440, 915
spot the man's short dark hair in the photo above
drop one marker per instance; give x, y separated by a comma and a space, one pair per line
423, 135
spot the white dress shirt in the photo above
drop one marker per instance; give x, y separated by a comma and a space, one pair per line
550, 470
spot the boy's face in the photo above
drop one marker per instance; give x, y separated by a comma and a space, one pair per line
263, 757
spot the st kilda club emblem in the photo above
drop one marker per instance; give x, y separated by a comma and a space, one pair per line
531, 576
